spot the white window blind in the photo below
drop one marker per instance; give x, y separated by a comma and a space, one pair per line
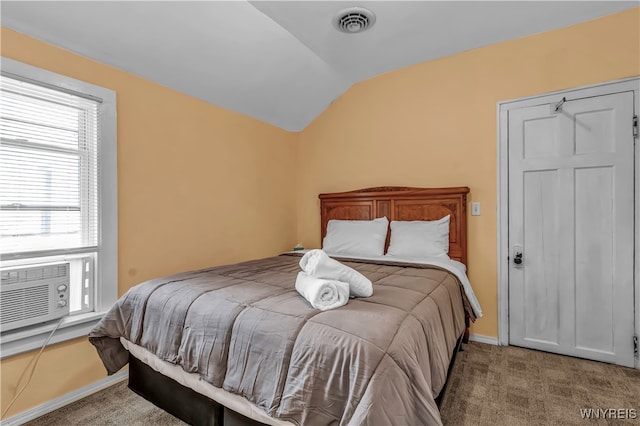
48, 168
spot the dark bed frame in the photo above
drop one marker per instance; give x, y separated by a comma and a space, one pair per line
396, 203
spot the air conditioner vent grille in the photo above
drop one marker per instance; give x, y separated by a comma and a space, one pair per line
35, 274
25, 303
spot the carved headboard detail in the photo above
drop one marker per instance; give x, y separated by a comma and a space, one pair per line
402, 203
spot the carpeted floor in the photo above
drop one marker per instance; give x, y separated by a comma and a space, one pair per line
506, 385
490, 385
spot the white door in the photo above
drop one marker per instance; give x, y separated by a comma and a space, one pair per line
571, 227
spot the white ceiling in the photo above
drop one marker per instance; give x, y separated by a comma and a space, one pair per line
281, 62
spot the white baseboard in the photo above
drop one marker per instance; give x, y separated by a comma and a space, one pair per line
67, 399
483, 339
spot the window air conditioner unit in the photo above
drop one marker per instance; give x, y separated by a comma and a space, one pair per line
34, 294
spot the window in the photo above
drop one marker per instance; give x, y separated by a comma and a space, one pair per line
57, 194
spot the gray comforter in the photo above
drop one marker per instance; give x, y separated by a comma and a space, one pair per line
244, 328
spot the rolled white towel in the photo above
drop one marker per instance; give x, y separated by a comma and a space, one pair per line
317, 264
322, 293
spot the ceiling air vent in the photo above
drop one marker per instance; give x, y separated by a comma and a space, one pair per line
354, 20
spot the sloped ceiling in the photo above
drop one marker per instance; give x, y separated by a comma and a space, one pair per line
281, 62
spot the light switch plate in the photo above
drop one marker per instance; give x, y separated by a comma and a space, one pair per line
475, 209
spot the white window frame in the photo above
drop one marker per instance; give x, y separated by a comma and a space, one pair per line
106, 286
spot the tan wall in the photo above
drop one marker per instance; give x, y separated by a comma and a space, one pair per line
197, 186
434, 125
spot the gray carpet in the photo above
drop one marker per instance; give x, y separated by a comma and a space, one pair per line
116, 405
490, 385
506, 385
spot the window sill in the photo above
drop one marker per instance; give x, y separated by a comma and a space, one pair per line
19, 341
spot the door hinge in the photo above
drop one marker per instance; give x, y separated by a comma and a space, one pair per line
635, 126
635, 345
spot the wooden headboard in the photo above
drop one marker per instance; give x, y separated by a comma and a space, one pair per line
402, 203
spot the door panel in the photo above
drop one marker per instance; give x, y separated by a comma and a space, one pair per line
594, 232
539, 137
571, 212
540, 278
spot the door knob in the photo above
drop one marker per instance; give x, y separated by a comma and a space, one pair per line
517, 252
517, 259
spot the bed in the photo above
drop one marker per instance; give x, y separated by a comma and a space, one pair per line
236, 344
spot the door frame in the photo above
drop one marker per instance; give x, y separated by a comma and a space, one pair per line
503, 107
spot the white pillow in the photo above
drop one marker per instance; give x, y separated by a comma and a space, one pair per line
419, 238
356, 237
